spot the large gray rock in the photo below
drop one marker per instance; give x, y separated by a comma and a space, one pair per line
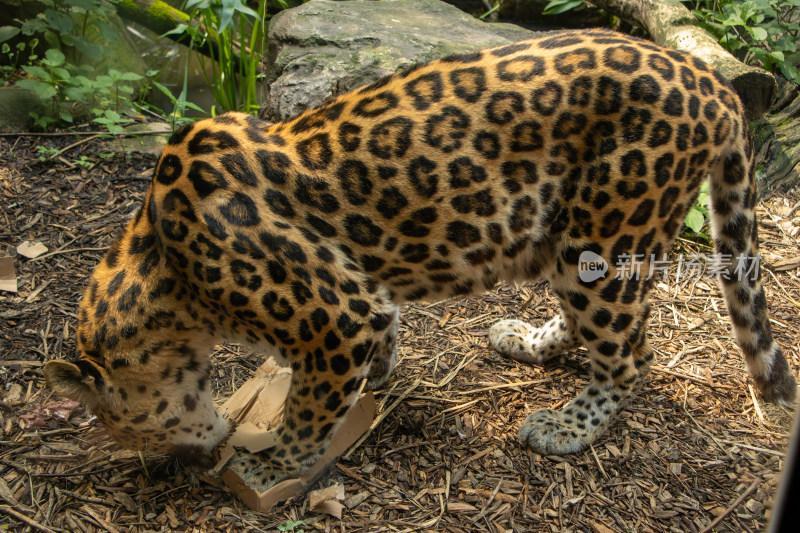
325, 48
16, 105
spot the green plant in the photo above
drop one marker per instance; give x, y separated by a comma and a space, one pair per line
46, 153
83, 161
73, 74
292, 525
698, 212
233, 34
496, 5
112, 120
9, 71
179, 103
556, 7
764, 32
49, 80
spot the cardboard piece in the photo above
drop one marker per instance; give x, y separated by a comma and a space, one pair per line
330, 507
324, 500
31, 249
320, 496
8, 278
257, 406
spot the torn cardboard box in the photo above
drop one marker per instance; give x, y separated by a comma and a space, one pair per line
8, 278
257, 407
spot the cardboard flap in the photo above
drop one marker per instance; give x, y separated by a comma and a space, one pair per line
257, 406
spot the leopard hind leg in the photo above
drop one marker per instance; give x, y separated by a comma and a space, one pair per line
610, 318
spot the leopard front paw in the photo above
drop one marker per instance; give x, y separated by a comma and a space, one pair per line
551, 432
257, 472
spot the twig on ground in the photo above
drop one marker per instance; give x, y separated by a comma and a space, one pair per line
732, 507
30, 521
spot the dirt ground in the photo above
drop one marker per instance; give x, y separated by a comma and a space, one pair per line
697, 451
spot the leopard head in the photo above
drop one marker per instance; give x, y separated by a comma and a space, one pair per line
165, 406
143, 366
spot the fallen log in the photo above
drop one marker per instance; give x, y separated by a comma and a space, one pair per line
672, 24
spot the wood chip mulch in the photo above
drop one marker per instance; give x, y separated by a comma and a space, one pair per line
697, 451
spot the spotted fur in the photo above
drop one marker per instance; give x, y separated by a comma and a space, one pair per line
302, 238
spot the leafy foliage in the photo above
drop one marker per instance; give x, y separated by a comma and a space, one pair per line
556, 7
763, 32
60, 59
698, 213
72, 74
291, 526
234, 35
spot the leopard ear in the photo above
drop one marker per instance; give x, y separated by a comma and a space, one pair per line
67, 379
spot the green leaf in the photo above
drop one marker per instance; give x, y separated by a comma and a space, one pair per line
130, 76
196, 107
103, 81
77, 94
31, 26
758, 33
88, 5
54, 58
7, 32
556, 7
65, 115
61, 22
37, 72
108, 31
165, 90
60, 73
42, 90
90, 50
180, 29
241, 7
777, 56
694, 219
227, 17
81, 82
787, 69
199, 4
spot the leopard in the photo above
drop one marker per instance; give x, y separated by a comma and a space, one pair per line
301, 239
